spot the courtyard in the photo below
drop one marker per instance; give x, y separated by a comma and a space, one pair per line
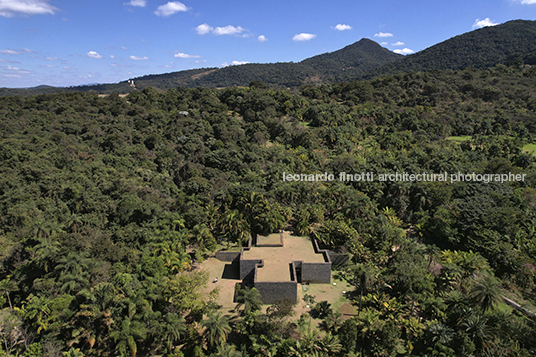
277, 259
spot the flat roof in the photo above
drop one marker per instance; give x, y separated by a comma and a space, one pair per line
277, 259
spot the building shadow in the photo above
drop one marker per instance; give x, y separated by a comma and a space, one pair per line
231, 271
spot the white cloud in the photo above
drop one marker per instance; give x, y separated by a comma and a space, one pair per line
48, 66
124, 48
10, 8
383, 34
404, 51
228, 30
486, 22
52, 58
170, 8
136, 58
112, 56
234, 63
398, 43
18, 70
93, 54
383, 43
9, 52
140, 3
203, 29
342, 27
200, 61
528, 2
303, 37
262, 38
119, 65
184, 55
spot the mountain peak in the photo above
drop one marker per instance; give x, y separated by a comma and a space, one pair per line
359, 57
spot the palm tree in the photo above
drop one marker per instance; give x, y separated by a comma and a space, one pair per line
476, 327
125, 338
73, 263
202, 236
216, 328
212, 216
37, 308
309, 343
273, 220
486, 293
303, 227
73, 272
8, 285
41, 228
251, 299
362, 280
97, 311
333, 321
252, 206
174, 328
74, 221
234, 226
174, 257
368, 323
55, 228
330, 345
46, 251
440, 334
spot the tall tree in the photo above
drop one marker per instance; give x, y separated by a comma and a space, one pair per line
486, 292
217, 328
250, 299
46, 251
126, 336
6, 286
362, 278
174, 328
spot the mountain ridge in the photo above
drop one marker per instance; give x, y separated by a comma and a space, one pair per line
482, 48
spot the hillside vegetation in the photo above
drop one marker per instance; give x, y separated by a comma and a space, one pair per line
105, 201
513, 42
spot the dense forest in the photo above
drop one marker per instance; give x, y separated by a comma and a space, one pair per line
105, 201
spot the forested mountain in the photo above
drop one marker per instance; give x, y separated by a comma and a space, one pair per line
350, 62
514, 41
104, 201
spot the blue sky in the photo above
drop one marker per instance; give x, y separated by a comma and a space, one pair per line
64, 43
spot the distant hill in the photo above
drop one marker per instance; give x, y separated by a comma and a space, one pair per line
350, 62
482, 48
121, 87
